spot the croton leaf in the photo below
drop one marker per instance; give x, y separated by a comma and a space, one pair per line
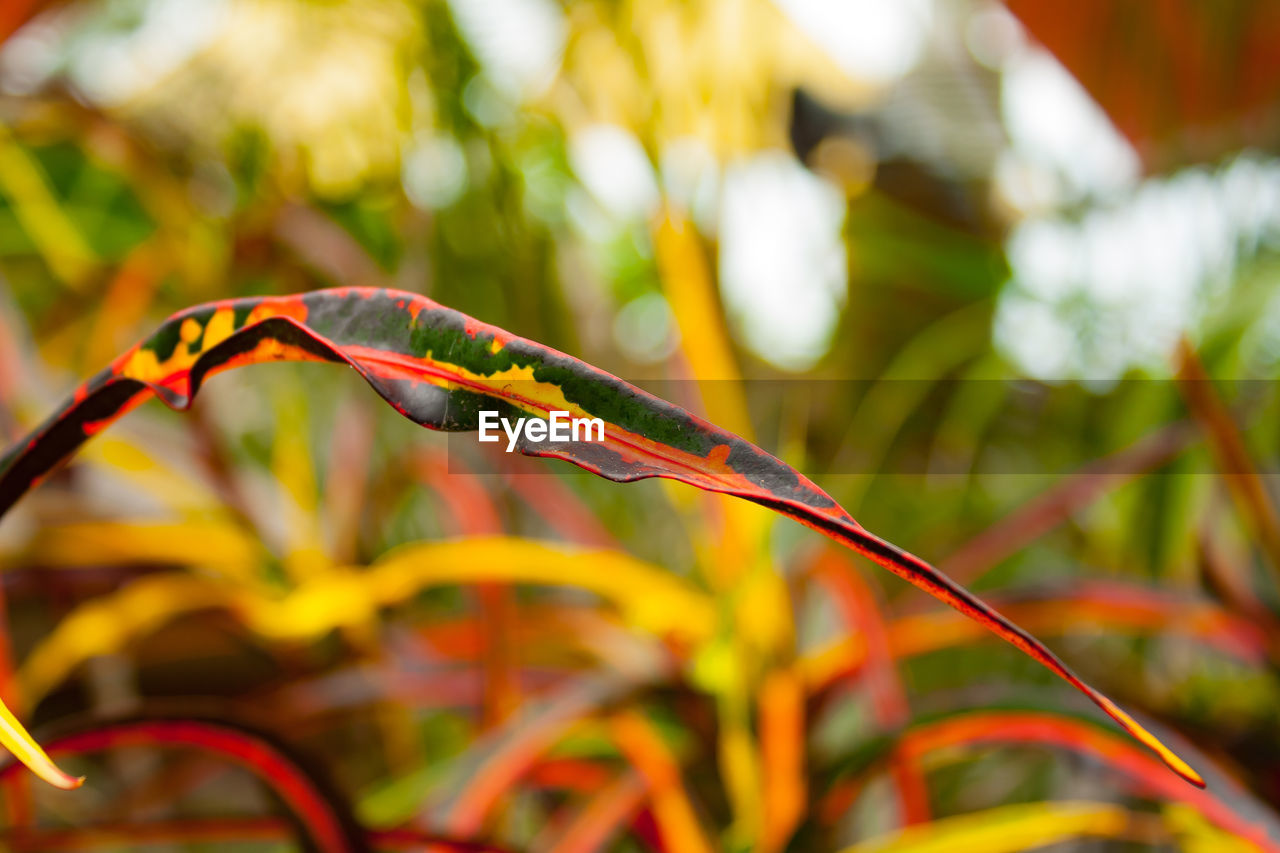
440, 368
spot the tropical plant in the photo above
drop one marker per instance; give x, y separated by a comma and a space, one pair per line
290, 618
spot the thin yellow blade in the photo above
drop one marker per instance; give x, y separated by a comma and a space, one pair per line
15, 739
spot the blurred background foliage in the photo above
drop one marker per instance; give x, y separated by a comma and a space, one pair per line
970, 266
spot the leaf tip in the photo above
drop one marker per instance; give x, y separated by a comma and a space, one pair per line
43, 766
15, 738
1186, 771
1171, 759
64, 781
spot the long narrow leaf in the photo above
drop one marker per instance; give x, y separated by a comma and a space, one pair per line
866, 628
604, 815
16, 739
280, 771
439, 367
1227, 805
1022, 826
1124, 609
648, 598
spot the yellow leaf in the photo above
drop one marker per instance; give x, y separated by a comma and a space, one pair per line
211, 544
38, 209
170, 482
15, 739
292, 466
686, 281
1009, 829
106, 625
649, 597
1197, 835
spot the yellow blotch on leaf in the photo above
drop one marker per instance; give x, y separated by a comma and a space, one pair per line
190, 330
